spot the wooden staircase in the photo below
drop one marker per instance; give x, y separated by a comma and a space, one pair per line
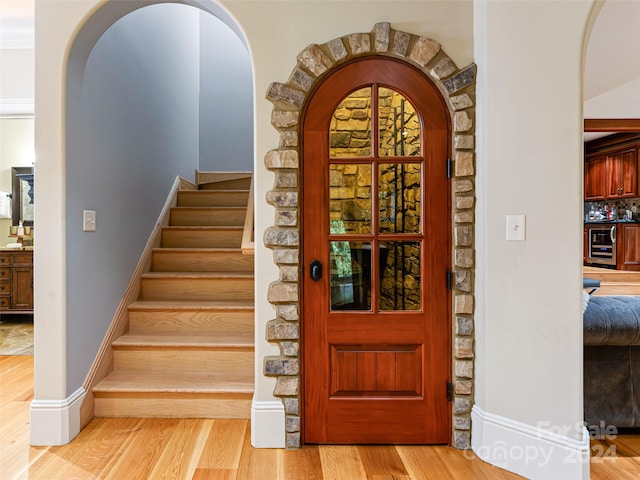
614, 282
189, 349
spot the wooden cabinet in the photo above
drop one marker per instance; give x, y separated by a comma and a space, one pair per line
611, 176
629, 247
16, 281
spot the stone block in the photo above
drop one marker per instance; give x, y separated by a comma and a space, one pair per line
464, 257
463, 368
284, 118
464, 142
461, 80
463, 280
463, 236
463, 387
286, 386
315, 60
464, 164
381, 32
289, 273
286, 218
292, 424
461, 405
424, 50
337, 49
282, 198
288, 312
288, 138
462, 186
281, 237
359, 43
293, 440
464, 325
461, 439
285, 256
460, 102
278, 330
463, 304
400, 43
291, 406
443, 68
281, 159
464, 347
286, 180
301, 79
279, 93
464, 201
462, 122
462, 422
463, 217
290, 349
282, 292
281, 366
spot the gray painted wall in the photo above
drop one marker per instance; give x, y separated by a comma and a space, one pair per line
132, 127
226, 99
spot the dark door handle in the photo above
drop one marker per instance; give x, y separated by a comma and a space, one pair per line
315, 270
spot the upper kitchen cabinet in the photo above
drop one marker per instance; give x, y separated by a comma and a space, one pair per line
611, 167
622, 174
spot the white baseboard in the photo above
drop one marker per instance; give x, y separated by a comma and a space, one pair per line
533, 452
56, 422
16, 107
267, 424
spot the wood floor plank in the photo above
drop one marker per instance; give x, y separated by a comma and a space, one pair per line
259, 463
423, 463
224, 445
146, 447
180, 457
303, 463
214, 474
340, 462
382, 462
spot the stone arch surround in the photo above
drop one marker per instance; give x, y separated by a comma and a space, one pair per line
457, 87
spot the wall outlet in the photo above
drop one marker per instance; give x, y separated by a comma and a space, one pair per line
88, 221
516, 227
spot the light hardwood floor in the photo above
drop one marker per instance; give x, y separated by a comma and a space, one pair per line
207, 449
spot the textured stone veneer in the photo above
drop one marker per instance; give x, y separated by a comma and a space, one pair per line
458, 89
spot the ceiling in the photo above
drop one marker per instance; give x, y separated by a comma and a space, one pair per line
612, 60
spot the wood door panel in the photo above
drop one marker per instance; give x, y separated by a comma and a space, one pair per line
376, 370
377, 374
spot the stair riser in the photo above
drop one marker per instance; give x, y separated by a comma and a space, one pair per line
212, 198
187, 261
179, 360
208, 217
186, 322
155, 406
202, 289
201, 239
235, 184
618, 290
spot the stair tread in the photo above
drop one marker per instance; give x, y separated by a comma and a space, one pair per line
209, 207
203, 227
226, 339
197, 275
178, 382
193, 305
197, 250
239, 190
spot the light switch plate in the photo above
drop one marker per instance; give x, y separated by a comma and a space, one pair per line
88, 221
516, 227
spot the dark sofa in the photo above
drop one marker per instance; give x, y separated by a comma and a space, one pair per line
612, 361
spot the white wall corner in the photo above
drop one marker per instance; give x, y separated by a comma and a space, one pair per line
267, 424
56, 422
533, 452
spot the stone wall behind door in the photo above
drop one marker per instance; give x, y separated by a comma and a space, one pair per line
457, 87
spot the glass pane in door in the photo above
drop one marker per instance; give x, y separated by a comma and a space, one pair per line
399, 197
398, 125
350, 128
400, 274
350, 198
350, 275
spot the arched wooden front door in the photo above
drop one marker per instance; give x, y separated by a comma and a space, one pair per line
376, 255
